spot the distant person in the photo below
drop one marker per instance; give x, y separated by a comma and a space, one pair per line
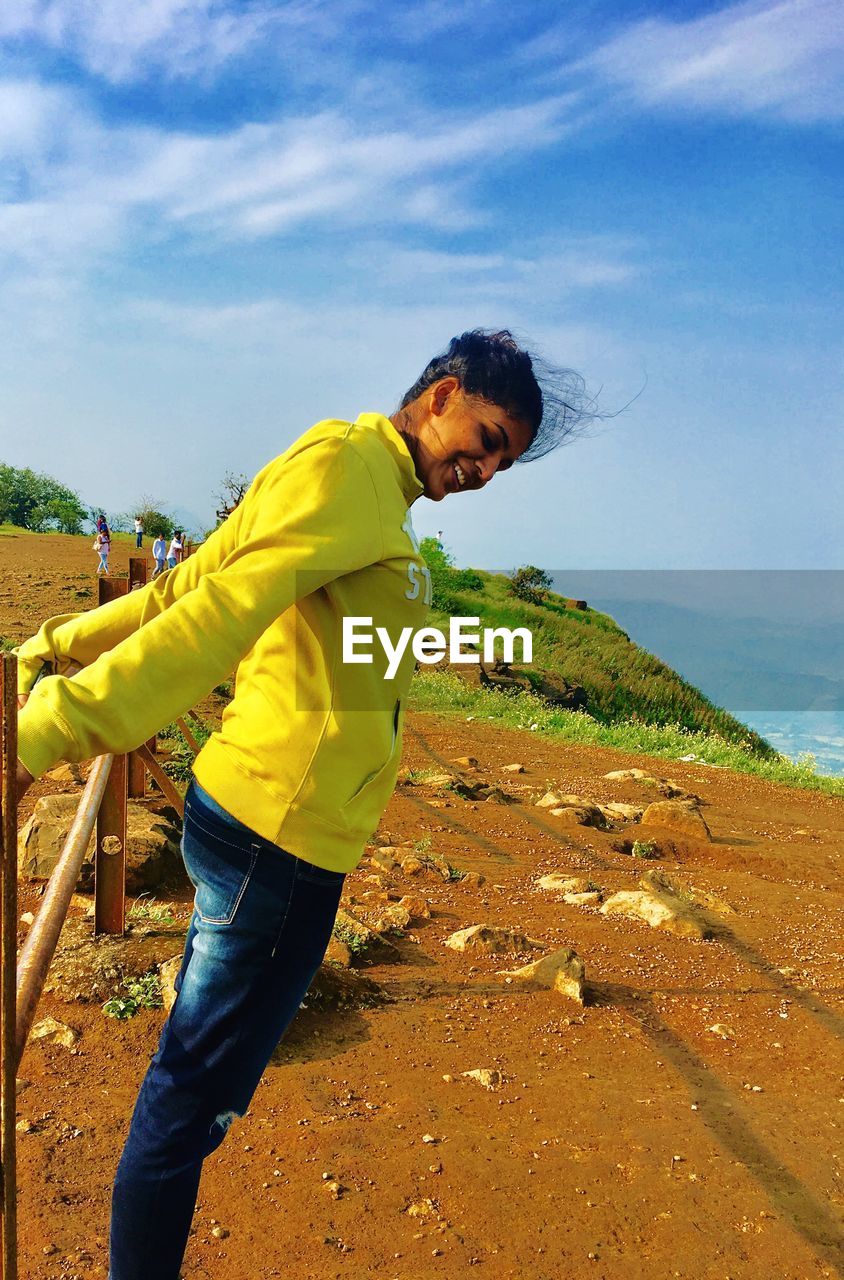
102, 546
159, 552
287, 793
102, 526
175, 550
139, 532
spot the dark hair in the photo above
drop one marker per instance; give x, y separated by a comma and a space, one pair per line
552, 402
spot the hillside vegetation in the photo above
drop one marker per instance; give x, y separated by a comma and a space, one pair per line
582, 647
633, 701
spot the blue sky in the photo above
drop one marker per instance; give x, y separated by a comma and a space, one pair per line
222, 222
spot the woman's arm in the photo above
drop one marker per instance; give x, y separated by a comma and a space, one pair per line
306, 520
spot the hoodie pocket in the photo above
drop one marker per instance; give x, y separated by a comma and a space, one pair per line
366, 805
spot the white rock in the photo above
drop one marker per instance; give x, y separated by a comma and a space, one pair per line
562, 971
558, 882
487, 1076
51, 1031
490, 938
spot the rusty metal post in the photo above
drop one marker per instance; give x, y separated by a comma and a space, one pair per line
137, 572
110, 852
8, 956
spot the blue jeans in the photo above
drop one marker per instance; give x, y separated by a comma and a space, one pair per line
261, 922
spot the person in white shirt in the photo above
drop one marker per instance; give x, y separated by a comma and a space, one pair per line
159, 551
139, 532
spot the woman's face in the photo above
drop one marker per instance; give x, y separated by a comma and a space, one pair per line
461, 441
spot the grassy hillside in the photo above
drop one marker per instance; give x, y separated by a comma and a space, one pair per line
621, 681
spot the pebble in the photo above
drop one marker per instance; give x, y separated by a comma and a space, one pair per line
219, 1233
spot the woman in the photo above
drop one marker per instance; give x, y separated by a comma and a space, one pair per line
289, 789
102, 546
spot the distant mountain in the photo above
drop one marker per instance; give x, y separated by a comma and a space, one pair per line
741, 663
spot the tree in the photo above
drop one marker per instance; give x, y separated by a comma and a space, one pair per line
157, 523
232, 492
38, 502
531, 584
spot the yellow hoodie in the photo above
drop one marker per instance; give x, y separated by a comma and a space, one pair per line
309, 747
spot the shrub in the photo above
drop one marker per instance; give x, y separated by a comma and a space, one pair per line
141, 993
530, 583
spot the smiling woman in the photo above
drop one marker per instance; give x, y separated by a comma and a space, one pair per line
288, 790
482, 405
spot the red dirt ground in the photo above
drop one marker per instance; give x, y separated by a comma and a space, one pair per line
627, 1140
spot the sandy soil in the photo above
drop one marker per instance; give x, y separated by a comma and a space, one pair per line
627, 1140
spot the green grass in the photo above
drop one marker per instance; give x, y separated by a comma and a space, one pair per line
356, 942
180, 765
144, 908
446, 693
622, 681
141, 993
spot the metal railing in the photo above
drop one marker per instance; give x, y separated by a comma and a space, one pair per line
104, 803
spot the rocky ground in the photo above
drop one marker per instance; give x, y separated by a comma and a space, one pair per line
661, 1095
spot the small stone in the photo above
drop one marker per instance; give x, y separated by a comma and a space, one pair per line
589, 899
27, 918
672, 815
52, 1031
558, 882
720, 1029
448, 1078
562, 971
512, 768
421, 1209
429, 1138
658, 907
488, 1077
472, 879
335, 1188
219, 1233
626, 812
50, 1249
466, 762
25, 1126
416, 906
491, 939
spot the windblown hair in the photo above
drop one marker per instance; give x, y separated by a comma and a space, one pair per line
553, 402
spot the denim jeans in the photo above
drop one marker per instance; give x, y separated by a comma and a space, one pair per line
261, 922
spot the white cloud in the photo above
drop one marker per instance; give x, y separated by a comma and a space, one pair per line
78, 182
784, 59
543, 270
121, 41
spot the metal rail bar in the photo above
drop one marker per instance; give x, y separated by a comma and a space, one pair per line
170, 790
187, 735
8, 951
37, 951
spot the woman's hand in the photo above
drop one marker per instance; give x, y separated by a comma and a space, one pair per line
23, 777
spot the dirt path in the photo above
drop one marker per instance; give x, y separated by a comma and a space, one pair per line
626, 1140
